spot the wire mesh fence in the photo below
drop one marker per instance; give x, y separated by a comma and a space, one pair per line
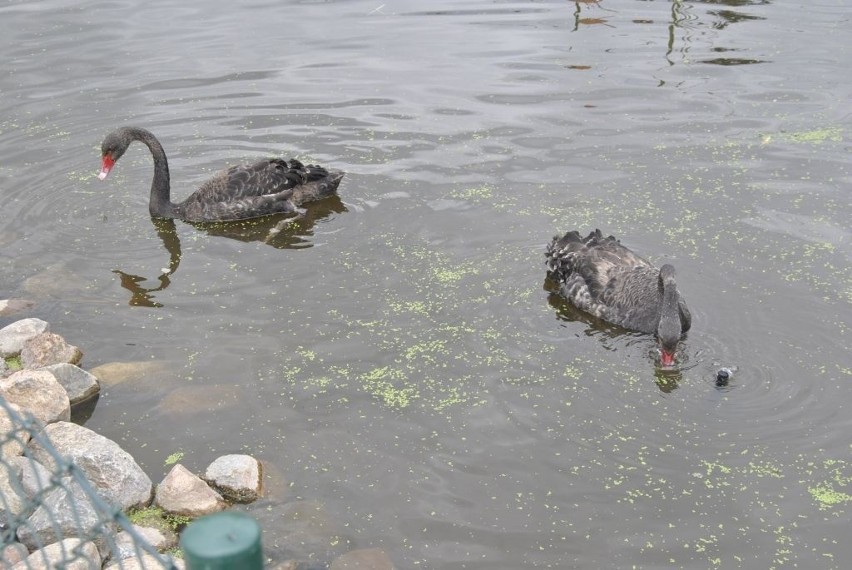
54, 518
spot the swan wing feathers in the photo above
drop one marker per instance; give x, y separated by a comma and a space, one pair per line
264, 177
596, 258
602, 277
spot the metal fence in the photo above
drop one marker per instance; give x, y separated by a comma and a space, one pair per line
40, 514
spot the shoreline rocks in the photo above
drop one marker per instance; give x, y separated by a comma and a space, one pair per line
40, 378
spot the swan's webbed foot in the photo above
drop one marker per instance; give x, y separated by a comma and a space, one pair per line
281, 224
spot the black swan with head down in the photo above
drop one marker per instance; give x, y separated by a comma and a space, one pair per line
602, 277
269, 186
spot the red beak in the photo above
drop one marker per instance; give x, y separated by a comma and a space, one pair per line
107, 163
666, 358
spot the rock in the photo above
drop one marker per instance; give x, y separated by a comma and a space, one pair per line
275, 485
113, 472
198, 399
14, 336
114, 373
13, 501
55, 281
65, 512
14, 438
34, 476
184, 493
12, 306
236, 477
363, 559
125, 543
12, 553
70, 554
146, 562
48, 348
302, 530
38, 392
79, 384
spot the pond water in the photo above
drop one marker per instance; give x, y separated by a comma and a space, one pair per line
397, 359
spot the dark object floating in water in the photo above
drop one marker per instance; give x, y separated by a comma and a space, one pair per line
602, 277
269, 186
728, 61
723, 376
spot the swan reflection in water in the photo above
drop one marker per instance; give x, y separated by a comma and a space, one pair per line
280, 232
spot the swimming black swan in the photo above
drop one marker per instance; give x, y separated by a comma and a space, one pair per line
602, 277
269, 186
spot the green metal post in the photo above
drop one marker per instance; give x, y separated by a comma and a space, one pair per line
222, 541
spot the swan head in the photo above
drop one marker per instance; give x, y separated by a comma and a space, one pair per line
113, 147
669, 329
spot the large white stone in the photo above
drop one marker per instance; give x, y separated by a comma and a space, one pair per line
14, 336
112, 471
236, 477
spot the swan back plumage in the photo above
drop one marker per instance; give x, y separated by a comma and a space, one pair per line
602, 277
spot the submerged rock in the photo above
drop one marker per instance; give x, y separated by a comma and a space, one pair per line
114, 373
302, 530
12, 306
363, 559
198, 399
55, 281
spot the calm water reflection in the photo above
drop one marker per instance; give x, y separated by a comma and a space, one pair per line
394, 358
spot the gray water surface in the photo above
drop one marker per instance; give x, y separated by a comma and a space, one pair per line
397, 359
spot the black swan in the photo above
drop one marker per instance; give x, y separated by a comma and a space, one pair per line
602, 277
269, 186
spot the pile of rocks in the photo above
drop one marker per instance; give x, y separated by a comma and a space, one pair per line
45, 381
39, 375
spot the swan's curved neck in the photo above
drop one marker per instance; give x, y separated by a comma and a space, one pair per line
669, 328
670, 299
160, 204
